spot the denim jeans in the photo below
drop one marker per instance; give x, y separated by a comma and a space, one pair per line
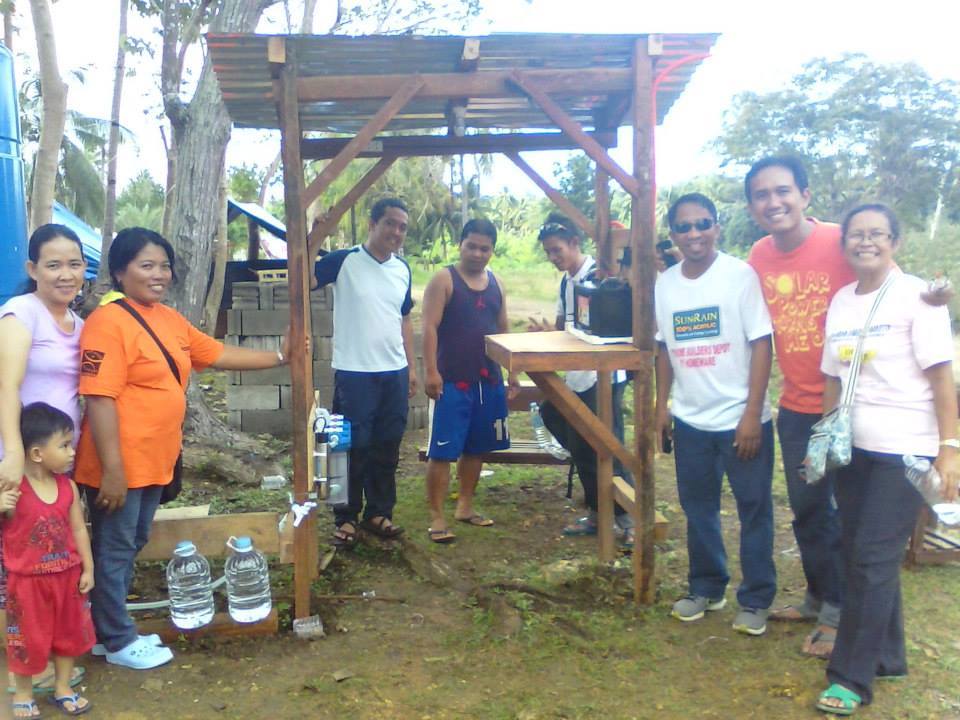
702, 457
376, 406
581, 452
117, 537
816, 522
878, 509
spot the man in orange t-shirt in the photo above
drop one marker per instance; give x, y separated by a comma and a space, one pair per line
801, 267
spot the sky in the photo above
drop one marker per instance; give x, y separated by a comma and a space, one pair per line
762, 46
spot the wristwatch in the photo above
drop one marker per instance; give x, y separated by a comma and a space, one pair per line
951, 442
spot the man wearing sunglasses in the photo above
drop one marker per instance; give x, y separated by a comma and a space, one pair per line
714, 363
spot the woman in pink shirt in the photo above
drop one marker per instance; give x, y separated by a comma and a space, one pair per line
905, 403
40, 353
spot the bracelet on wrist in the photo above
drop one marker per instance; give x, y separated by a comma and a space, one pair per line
951, 443
280, 358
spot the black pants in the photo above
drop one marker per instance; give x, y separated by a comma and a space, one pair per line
878, 510
376, 405
583, 455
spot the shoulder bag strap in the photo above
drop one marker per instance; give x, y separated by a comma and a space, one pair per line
855, 363
139, 318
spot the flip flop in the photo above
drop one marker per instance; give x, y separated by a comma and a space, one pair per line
343, 538
849, 700
43, 684
380, 527
791, 614
28, 706
441, 536
820, 635
62, 701
477, 520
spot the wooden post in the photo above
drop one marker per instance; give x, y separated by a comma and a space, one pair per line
301, 369
568, 208
605, 470
601, 193
642, 278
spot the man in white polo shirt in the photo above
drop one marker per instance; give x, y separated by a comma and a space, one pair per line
374, 366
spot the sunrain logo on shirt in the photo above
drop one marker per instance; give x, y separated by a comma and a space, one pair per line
695, 324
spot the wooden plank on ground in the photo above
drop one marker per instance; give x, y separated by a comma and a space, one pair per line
182, 513
624, 494
210, 534
222, 626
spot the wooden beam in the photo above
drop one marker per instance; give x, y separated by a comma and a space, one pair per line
568, 208
571, 127
481, 84
625, 496
306, 553
276, 51
210, 534
601, 235
642, 278
222, 626
427, 145
605, 469
359, 141
599, 436
330, 218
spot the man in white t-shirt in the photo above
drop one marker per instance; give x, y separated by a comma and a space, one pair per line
561, 243
714, 336
374, 366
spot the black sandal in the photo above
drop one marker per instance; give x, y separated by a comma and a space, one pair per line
343, 538
380, 527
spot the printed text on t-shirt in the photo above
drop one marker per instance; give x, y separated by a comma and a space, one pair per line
798, 303
697, 323
699, 355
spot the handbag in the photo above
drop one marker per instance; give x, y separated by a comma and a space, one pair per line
831, 437
172, 489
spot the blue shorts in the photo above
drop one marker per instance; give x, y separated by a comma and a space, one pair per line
468, 421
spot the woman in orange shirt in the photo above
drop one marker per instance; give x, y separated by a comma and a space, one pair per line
132, 431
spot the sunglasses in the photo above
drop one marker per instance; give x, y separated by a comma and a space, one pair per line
555, 228
702, 225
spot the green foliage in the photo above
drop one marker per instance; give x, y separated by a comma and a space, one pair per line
866, 131
413, 16
575, 180
141, 203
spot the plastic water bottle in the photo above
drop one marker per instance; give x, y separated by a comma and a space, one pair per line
545, 440
188, 582
925, 478
248, 582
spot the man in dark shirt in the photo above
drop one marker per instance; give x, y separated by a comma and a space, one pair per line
461, 304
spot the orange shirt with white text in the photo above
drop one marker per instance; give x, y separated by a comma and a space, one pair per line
120, 360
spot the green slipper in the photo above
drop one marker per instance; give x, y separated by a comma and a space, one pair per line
849, 700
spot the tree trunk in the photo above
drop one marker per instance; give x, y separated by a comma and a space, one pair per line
54, 117
220, 255
110, 202
8, 9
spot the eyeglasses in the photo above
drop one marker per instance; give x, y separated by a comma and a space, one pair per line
703, 224
554, 228
873, 236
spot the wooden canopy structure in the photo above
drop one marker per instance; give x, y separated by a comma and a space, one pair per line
505, 93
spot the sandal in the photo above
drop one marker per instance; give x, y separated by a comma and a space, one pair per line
74, 700
43, 682
26, 708
344, 538
822, 636
441, 536
792, 614
849, 700
383, 527
582, 526
477, 520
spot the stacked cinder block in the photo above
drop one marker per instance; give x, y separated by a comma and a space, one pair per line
260, 400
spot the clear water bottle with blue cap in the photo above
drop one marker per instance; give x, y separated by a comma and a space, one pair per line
248, 582
188, 582
924, 477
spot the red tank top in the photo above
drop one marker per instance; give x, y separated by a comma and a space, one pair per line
38, 540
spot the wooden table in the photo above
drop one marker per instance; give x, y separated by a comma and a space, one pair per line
541, 355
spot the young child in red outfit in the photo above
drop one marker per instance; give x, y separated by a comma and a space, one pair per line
46, 552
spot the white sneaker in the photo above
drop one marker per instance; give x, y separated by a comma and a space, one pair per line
140, 655
99, 650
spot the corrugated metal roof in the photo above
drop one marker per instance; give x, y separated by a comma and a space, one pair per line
242, 68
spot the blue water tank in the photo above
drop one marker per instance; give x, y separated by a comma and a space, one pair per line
13, 205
